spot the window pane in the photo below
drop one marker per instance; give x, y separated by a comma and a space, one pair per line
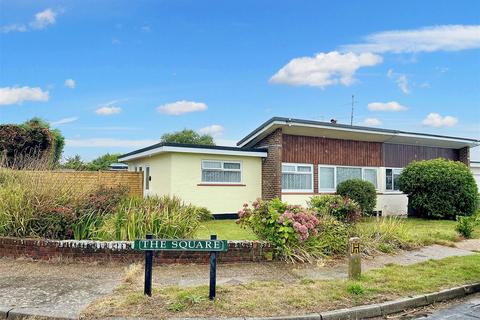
304, 169
296, 181
212, 164
396, 175
388, 179
221, 176
370, 175
287, 168
231, 165
344, 173
327, 178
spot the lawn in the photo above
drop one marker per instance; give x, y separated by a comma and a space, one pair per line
420, 231
264, 298
225, 230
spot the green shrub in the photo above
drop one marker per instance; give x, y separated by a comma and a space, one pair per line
439, 188
363, 192
204, 214
342, 208
298, 234
465, 226
164, 217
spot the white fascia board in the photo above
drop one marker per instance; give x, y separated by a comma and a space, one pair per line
387, 134
165, 149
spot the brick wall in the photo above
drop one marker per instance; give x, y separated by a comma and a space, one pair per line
464, 155
272, 165
122, 252
89, 180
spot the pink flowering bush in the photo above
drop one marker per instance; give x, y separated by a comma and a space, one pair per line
293, 230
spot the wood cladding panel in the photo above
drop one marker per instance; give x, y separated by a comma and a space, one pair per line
399, 155
317, 150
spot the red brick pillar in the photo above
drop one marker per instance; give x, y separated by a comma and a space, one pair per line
464, 156
272, 166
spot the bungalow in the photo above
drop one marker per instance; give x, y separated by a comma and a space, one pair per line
293, 160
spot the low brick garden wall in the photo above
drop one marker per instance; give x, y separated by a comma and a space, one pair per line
121, 251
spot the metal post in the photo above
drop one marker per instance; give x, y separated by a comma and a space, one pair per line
213, 270
147, 289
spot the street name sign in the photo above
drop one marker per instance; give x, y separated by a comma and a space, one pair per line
181, 245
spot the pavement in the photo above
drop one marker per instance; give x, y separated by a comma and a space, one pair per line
59, 289
52, 289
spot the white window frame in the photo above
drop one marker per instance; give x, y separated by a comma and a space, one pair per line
296, 165
222, 169
393, 180
334, 189
335, 175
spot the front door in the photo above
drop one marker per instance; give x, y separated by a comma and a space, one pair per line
146, 178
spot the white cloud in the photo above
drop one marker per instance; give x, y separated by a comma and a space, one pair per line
70, 83
324, 69
386, 106
428, 39
17, 95
109, 142
44, 19
437, 121
400, 79
13, 28
63, 121
215, 130
402, 83
371, 122
108, 110
180, 107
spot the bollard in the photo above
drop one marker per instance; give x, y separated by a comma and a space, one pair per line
354, 259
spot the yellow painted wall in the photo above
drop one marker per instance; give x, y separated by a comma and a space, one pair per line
180, 173
186, 175
160, 172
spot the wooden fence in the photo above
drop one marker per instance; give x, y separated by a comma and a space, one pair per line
89, 180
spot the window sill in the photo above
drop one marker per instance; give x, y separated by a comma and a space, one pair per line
221, 185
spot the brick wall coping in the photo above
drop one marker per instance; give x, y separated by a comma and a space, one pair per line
122, 251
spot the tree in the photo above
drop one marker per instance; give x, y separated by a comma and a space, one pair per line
57, 138
74, 163
103, 162
100, 163
32, 143
188, 137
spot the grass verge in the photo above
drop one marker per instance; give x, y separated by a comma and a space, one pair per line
261, 298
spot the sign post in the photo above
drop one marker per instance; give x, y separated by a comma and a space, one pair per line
147, 288
149, 245
213, 271
354, 258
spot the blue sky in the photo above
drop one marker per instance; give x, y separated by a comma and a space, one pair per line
115, 75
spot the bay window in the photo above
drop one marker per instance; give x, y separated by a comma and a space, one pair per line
214, 171
297, 177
